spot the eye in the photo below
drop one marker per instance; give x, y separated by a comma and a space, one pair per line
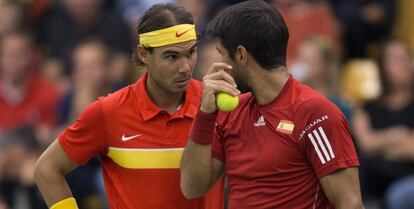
171, 57
192, 52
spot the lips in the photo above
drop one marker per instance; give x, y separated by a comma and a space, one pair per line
182, 81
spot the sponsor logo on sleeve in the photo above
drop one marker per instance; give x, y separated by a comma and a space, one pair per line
311, 125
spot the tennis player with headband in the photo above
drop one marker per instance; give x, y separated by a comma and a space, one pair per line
139, 132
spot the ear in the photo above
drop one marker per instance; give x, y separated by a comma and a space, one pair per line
241, 55
143, 54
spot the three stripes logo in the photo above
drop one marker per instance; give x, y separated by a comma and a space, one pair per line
321, 145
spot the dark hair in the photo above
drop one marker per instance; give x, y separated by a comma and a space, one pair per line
384, 80
161, 16
258, 27
92, 41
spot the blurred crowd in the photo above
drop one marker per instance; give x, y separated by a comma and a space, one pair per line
57, 56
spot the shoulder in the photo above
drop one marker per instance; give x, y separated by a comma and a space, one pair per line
118, 98
306, 101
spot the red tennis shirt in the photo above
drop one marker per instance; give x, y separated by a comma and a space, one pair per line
140, 147
275, 154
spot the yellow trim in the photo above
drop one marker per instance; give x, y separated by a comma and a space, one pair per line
68, 203
172, 35
146, 158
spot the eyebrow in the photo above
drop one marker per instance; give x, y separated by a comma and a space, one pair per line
176, 52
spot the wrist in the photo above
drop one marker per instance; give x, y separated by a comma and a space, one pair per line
68, 203
202, 131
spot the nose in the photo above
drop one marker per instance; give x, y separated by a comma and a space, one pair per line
185, 65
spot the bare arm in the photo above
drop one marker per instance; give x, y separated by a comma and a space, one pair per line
50, 174
379, 141
342, 189
199, 170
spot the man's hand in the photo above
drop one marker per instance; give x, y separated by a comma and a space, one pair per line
217, 80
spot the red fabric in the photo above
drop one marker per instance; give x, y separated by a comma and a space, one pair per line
270, 168
202, 131
129, 111
38, 107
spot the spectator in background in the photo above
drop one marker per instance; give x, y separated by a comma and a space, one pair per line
317, 65
11, 17
207, 55
305, 18
19, 151
25, 100
90, 79
133, 9
384, 128
79, 19
25, 97
90, 62
364, 23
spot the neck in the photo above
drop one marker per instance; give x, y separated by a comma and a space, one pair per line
267, 84
162, 98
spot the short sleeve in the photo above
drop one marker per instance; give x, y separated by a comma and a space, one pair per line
85, 138
217, 145
325, 137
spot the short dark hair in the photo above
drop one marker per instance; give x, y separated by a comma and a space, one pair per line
257, 26
161, 16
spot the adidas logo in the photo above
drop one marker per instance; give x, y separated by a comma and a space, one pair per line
260, 121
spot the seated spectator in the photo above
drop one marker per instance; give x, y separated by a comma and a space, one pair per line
384, 128
90, 65
90, 79
365, 23
307, 18
25, 97
25, 100
11, 17
76, 20
19, 152
317, 65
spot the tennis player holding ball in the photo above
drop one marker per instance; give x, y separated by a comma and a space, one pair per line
140, 131
284, 146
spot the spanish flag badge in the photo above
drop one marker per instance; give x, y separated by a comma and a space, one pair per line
285, 126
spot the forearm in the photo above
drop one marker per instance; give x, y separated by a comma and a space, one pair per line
351, 205
52, 185
50, 173
196, 170
342, 188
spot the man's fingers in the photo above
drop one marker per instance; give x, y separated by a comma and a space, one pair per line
215, 86
219, 66
220, 75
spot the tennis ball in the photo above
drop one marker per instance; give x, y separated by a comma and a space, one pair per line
226, 102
